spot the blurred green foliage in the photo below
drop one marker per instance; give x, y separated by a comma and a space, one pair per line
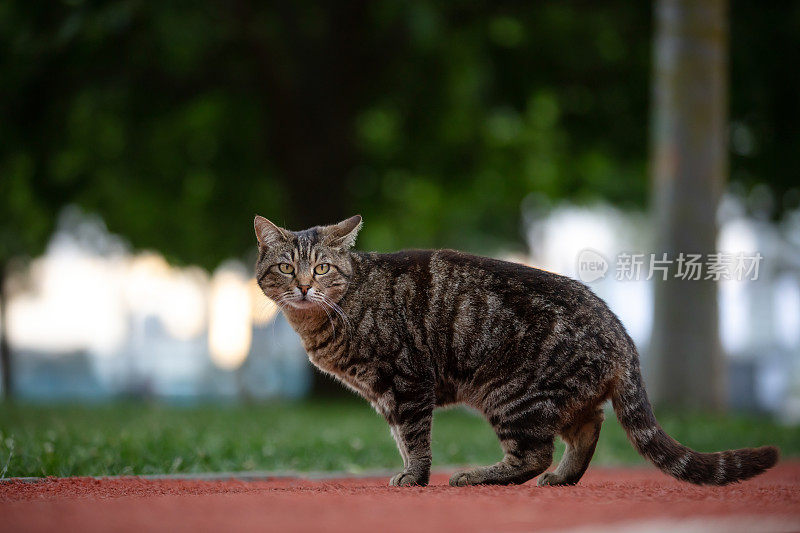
330, 435
177, 121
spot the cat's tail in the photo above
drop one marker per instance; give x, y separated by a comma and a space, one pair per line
635, 414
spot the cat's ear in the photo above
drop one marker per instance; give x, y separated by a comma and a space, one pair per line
343, 234
268, 233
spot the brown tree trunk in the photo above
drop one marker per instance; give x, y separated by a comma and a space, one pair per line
5, 350
689, 171
311, 93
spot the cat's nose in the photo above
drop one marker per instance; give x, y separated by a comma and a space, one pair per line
304, 288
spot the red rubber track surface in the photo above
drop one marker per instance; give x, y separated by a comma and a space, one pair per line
605, 500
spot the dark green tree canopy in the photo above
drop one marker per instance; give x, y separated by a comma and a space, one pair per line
178, 121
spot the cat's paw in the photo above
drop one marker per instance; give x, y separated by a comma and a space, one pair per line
465, 478
553, 480
407, 479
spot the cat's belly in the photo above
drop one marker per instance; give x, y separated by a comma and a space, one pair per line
446, 394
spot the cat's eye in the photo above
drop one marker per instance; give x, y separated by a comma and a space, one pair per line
285, 268
322, 268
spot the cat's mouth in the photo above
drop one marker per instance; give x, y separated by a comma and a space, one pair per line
302, 303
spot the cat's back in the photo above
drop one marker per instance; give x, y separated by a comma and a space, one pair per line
434, 276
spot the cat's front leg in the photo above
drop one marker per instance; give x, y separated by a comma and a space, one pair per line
411, 429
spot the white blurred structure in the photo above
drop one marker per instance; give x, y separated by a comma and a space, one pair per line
139, 326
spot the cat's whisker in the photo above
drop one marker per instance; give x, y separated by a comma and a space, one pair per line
328, 303
333, 305
282, 300
321, 303
265, 307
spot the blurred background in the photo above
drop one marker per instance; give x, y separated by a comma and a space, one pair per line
138, 140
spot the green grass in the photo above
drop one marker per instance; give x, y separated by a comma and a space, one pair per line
125, 439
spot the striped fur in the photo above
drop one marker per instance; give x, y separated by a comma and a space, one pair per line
721, 468
535, 352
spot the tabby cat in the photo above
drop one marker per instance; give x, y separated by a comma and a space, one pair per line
535, 352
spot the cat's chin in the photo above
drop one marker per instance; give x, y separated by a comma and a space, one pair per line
303, 305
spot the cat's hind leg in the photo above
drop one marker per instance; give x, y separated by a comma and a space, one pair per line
581, 439
528, 446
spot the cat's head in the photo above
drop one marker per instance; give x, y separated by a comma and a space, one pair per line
307, 269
